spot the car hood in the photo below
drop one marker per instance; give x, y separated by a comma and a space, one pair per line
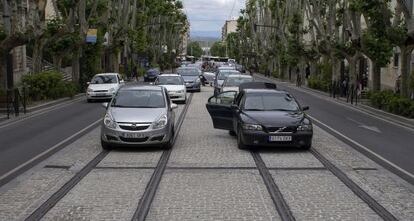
137, 115
220, 82
174, 87
98, 87
190, 78
274, 118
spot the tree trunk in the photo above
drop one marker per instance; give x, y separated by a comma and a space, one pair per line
405, 70
76, 65
37, 56
376, 77
57, 61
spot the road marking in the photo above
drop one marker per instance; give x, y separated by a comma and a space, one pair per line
323, 97
361, 125
48, 150
364, 148
41, 111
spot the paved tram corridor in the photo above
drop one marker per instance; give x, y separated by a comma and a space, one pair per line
207, 178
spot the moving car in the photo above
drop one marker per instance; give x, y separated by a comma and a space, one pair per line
221, 76
191, 77
139, 115
103, 86
175, 86
209, 76
261, 117
151, 75
233, 82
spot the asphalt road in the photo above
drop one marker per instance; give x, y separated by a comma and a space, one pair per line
392, 142
26, 139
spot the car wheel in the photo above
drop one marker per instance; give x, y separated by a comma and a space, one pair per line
105, 145
240, 143
185, 101
169, 144
307, 147
232, 133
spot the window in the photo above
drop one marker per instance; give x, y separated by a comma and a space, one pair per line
139, 99
104, 79
270, 102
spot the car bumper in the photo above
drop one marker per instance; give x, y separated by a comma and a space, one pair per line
261, 139
193, 87
178, 96
147, 137
99, 96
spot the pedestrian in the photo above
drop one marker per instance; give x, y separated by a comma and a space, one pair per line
298, 78
398, 85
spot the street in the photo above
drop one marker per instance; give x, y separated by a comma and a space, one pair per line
204, 176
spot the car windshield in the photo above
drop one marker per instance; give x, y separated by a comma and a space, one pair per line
139, 99
170, 80
188, 72
270, 102
235, 82
222, 75
104, 79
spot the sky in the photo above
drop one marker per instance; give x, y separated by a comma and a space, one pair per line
207, 17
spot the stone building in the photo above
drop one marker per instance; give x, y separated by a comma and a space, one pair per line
230, 26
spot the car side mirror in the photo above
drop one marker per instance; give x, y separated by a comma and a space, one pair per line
105, 105
305, 108
174, 106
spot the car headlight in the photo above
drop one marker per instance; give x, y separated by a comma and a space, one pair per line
109, 121
198, 80
160, 123
252, 127
89, 90
306, 125
112, 90
181, 91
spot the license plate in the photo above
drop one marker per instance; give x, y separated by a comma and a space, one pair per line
133, 135
280, 138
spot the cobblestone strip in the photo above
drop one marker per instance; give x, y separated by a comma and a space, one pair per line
200, 145
318, 195
212, 195
104, 194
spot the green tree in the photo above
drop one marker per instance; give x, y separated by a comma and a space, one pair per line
194, 49
218, 49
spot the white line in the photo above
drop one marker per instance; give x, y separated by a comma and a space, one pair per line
48, 150
41, 111
365, 148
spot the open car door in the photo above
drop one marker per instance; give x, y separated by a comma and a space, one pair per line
220, 109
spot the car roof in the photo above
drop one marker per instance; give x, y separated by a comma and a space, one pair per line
103, 74
169, 75
141, 87
272, 91
239, 76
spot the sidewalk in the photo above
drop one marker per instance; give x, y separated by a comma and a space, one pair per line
402, 121
32, 109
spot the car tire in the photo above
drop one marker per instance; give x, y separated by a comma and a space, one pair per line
307, 147
105, 145
185, 101
240, 143
232, 133
169, 144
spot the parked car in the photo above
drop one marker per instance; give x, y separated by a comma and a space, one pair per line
139, 115
151, 75
103, 86
191, 77
233, 82
221, 76
175, 86
261, 117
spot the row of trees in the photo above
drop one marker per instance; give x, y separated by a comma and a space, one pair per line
320, 35
143, 28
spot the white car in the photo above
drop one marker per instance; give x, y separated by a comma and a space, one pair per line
233, 82
103, 86
175, 86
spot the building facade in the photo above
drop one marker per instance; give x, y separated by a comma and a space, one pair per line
230, 26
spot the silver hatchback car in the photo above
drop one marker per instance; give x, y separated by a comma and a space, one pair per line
139, 115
